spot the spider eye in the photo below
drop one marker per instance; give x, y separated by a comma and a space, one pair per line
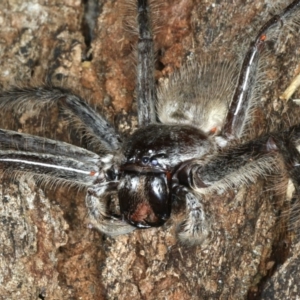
145, 159
154, 162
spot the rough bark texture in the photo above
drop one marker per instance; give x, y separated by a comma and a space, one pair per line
49, 251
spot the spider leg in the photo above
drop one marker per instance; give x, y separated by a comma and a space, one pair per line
288, 145
234, 166
236, 116
55, 162
272, 154
51, 160
97, 130
99, 214
146, 95
196, 227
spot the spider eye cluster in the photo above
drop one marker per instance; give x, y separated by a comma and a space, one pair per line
150, 159
155, 160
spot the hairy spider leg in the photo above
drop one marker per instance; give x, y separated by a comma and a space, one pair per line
146, 90
267, 155
100, 133
235, 119
58, 163
54, 160
288, 144
271, 154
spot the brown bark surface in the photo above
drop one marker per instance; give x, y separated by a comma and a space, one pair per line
49, 251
